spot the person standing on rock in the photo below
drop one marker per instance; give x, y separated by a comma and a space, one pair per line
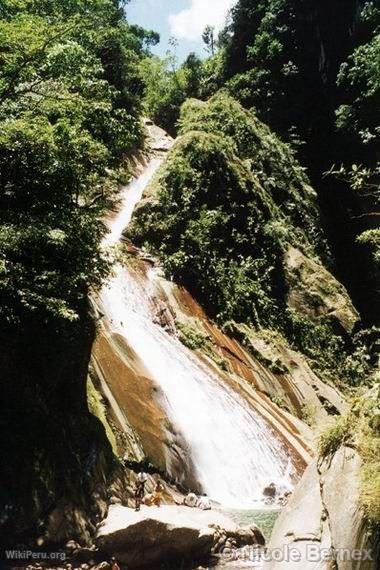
142, 478
158, 493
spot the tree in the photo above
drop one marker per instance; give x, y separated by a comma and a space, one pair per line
193, 67
358, 117
365, 182
165, 91
70, 102
168, 85
208, 37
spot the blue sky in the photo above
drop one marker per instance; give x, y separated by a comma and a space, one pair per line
183, 19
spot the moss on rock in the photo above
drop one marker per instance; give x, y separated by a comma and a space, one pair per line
98, 409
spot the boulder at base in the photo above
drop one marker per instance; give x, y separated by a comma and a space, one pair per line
155, 535
323, 526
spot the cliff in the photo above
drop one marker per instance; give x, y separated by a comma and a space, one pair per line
233, 218
57, 455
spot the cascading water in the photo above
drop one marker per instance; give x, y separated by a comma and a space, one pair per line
234, 451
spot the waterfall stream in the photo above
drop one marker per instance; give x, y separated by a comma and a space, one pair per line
234, 451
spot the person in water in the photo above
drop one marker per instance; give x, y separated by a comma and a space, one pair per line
269, 494
158, 493
142, 478
270, 491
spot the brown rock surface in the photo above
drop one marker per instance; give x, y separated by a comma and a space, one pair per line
155, 535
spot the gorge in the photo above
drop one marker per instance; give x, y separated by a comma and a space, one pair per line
200, 305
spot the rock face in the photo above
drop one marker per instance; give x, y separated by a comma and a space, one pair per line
297, 388
154, 535
315, 292
277, 381
56, 448
324, 516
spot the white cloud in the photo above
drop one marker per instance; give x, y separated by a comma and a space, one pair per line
190, 23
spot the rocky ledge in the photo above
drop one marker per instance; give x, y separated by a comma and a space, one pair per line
155, 535
324, 527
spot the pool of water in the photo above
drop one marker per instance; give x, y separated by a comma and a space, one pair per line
263, 517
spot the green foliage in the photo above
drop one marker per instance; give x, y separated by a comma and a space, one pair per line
360, 79
231, 198
69, 111
191, 336
262, 60
308, 413
364, 181
271, 162
284, 54
358, 123
165, 90
168, 85
97, 408
337, 435
195, 222
310, 70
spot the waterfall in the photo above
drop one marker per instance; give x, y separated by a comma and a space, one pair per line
234, 450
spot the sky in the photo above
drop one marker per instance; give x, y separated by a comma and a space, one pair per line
183, 19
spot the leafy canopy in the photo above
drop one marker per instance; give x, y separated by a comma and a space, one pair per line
70, 100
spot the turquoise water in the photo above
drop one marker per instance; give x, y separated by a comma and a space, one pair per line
264, 518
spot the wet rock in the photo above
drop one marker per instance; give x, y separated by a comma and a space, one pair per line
299, 386
324, 513
252, 531
220, 538
85, 555
270, 490
159, 140
231, 543
284, 498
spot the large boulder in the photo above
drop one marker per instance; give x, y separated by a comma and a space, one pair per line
323, 521
154, 535
315, 292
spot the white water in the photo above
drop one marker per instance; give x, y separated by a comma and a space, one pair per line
131, 195
234, 451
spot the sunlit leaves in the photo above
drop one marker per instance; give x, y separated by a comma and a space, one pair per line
67, 117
